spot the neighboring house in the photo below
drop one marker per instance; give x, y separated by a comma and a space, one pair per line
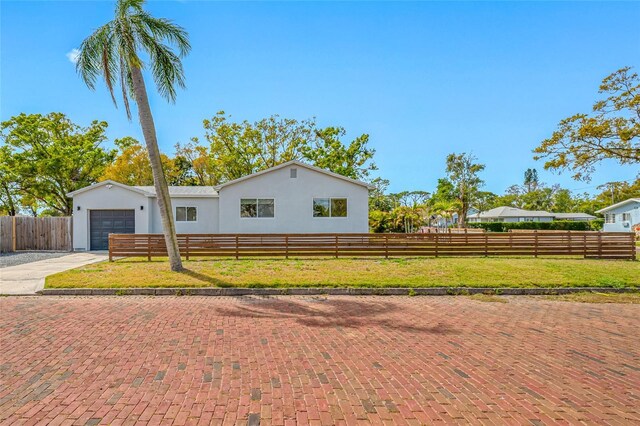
513, 214
290, 198
622, 217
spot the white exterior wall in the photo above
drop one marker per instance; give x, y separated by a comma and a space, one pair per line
103, 198
207, 217
293, 198
633, 208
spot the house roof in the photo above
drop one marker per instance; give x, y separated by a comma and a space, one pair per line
105, 183
294, 163
621, 203
212, 191
150, 191
505, 211
183, 191
573, 216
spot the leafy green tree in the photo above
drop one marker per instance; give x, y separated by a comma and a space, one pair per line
485, 200
378, 199
47, 156
327, 151
132, 166
239, 149
462, 172
531, 179
9, 187
113, 52
611, 131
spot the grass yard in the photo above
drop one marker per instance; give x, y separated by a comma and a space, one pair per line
416, 272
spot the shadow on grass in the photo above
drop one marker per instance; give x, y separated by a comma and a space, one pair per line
212, 282
332, 313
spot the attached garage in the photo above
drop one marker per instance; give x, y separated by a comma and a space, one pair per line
105, 222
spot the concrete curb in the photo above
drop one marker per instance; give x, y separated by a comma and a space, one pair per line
433, 291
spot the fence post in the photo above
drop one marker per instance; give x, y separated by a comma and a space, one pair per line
13, 233
336, 246
386, 246
535, 244
584, 244
435, 238
237, 243
486, 244
187, 246
149, 248
286, 246
600, 245
110, 246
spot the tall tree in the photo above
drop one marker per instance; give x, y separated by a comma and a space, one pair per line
46, 156
327, 151
531, 179
113, 52
611, 131
462, 171
132, 166
237, 149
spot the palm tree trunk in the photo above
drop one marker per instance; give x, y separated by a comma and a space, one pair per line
159, 181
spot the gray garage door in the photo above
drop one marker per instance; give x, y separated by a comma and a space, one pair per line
105, 222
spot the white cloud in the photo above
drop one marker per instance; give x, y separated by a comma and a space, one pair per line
73, 56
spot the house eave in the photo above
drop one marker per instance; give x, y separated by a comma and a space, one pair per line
294, 163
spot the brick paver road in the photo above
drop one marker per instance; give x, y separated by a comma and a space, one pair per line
293, 360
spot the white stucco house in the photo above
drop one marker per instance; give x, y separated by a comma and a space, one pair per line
622, 217
289, 198
513, 214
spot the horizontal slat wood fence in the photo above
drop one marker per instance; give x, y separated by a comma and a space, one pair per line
601, 245
35, 233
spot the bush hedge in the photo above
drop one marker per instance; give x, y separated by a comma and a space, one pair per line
557, 225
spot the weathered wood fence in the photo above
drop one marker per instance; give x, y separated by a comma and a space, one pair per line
35, 233
601, 245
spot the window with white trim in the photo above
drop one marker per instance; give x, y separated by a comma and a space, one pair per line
257, 207
609, 218
186, 214
329, 207
626, 217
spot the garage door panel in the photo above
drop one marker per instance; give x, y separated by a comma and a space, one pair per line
105, 222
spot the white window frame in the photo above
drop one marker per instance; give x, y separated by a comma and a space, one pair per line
257, 210
330, 216
609, 218
186, 215
626, 217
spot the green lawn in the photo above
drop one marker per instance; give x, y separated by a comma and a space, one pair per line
417, 272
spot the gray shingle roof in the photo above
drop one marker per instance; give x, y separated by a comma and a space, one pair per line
183, 191
573, 215
512, 212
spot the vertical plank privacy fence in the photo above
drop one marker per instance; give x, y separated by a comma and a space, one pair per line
601, 245
35, 233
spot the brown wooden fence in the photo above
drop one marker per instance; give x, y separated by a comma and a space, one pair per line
602, 245
35, 233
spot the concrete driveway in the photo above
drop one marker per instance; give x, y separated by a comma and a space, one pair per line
29, 278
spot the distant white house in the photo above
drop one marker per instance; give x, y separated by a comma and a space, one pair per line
513, 214
622, 217
290, 198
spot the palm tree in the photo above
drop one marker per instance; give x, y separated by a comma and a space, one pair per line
112, 52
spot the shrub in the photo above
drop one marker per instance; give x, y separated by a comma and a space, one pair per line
558, 225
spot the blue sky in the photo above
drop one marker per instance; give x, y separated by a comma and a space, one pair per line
422, 79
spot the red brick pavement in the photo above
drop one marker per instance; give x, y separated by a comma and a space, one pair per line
295, 360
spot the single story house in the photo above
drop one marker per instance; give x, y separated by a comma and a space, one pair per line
622, 217
513, 214
292, 197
